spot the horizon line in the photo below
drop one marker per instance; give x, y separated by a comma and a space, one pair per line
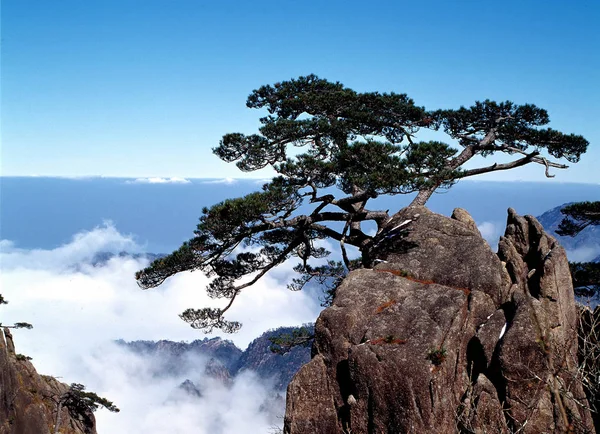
182, 179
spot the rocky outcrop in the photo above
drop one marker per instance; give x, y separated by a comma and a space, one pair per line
29, 401
537, 357
443, 335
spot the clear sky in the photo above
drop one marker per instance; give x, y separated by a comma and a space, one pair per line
148, 87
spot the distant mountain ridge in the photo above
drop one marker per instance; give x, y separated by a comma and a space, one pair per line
225, 360
174, 358
281, 368
101, 258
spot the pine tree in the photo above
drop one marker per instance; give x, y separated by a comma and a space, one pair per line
319, 136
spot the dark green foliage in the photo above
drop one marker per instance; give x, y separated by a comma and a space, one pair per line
579, 216
208, 318
514, 128
22, 325
353, 138
18, 325
328, 276
437, 356
586, 277
3, 300
283, 343
318, 134
22, 357
79, 402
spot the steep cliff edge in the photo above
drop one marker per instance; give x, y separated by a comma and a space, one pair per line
443, 335
28, 401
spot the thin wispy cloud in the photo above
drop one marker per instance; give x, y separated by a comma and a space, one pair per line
262, 180
158, 180
227, 181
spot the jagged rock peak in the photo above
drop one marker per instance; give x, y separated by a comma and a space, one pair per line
444, 335
28, 401
268, 365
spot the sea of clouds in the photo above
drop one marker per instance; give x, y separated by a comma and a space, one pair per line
79, 309
80, 306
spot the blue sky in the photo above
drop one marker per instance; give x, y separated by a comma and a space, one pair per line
147, 87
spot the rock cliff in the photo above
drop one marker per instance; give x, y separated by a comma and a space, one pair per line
443, 336
28, 401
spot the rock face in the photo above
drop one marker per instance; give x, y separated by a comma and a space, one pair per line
443, 336
27, 399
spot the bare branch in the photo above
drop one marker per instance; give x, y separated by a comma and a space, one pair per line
495, 167
343, 244
547, 172
539, 160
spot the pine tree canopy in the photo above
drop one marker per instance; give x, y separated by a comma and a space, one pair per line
586, 278
578, 216
320, 135
79, 402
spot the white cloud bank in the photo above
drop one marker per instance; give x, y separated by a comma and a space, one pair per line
152, 404
158, 180
227, 181
82, 248
77, 309
584, 253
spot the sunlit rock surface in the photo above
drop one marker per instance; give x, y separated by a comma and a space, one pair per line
443, 335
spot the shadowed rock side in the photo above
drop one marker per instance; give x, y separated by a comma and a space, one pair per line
28, 401
445, 336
